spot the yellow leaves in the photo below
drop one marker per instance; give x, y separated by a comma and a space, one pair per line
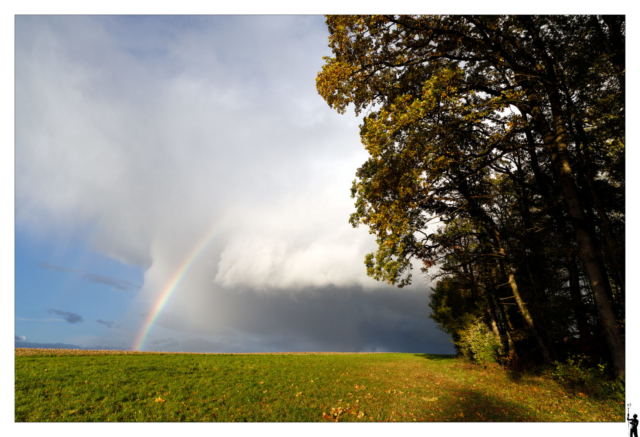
159, 399
430, 399
337, 412
299, 394
394, 391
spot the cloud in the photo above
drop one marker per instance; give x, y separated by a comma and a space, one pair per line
68, 317
152, 133
166, 344
314, 319
117, 284
21, 338
106, 323
38, 320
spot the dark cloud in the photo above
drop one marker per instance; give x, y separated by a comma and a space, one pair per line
116, 283
166, 344
68, 316
324, 319
106, 323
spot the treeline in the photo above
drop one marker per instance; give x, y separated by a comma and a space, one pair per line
496, 155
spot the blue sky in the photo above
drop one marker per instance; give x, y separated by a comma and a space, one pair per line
136, 137
43, 285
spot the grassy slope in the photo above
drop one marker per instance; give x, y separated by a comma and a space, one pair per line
84, 386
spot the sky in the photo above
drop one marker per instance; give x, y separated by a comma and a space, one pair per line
181, 186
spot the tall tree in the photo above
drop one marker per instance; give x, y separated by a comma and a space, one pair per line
454, 105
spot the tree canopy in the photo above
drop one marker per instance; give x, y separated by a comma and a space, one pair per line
496, 153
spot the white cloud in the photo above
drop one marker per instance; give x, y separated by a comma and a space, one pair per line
279, 252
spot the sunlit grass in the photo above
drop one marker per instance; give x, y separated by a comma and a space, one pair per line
57, 385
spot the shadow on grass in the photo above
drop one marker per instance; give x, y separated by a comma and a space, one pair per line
435, 357
475, 406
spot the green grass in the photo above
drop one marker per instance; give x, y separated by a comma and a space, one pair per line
56, 385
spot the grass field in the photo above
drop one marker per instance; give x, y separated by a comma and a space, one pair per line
103, 386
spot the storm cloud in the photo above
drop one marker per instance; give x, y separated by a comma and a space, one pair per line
158, 136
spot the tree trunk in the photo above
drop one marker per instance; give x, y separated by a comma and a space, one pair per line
556, 142
576, 297
508, 327
603, 220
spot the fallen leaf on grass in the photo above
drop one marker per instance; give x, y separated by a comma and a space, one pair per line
159, 400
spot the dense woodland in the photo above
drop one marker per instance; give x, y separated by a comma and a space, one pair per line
496, 164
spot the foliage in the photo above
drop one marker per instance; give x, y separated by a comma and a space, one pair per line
479, 345
67, 386
578, 376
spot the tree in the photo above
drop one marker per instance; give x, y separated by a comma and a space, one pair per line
499, 122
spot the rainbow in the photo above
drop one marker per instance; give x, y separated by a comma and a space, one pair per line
172, 285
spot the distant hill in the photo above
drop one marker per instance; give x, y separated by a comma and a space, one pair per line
59, 346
